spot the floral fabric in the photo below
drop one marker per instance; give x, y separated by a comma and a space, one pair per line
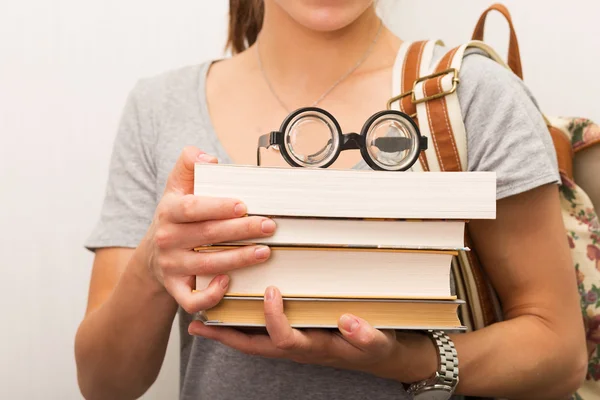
583, 235
583, 132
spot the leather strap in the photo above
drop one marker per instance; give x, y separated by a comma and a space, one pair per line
416, 63
441, 120
489, 308
564, 151
440, 117
411, 70
441, 129
514, 54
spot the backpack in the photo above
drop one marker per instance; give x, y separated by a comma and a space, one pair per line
430, 98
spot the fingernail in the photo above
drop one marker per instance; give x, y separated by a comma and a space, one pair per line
240, 209
261, 252
268, 226
270, 295
348, 323
224, 281
207, 158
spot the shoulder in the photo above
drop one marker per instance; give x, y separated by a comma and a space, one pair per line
482, 77
483, 80
504, 125
165, 104
181, 83
478, 66
153, 103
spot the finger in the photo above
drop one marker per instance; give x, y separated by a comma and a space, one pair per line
363, 336
255, 344
181, 177
193, 208
282, 335
193, 301
214, 262
188, 236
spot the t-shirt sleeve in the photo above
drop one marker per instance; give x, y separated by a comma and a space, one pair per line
130, 194
506, 132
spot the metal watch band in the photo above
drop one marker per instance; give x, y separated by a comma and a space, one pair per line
445, 379
448, 369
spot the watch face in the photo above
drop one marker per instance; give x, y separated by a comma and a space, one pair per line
433, 394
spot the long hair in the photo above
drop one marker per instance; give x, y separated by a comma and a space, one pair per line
245, 22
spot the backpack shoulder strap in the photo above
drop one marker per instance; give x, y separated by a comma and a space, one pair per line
440, 119
413, 60
562, 140
438, 109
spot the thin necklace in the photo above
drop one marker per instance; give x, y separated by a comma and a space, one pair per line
350, 71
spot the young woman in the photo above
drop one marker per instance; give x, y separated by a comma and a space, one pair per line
338, 55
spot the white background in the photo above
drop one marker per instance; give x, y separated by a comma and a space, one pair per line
66, 67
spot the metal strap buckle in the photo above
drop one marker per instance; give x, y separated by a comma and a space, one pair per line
399, 98
455, 82
414, 100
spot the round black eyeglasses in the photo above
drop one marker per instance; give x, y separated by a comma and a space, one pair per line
311, 137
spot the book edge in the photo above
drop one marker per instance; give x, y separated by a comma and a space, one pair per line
332, 248
318, 326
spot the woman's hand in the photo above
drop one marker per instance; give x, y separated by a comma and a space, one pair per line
183, 221
356, 345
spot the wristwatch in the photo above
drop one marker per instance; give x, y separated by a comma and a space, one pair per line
442, 384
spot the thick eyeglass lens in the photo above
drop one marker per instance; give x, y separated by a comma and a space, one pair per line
311, 139
392, 142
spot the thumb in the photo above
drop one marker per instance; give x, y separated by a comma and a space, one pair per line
181, 178
362, 335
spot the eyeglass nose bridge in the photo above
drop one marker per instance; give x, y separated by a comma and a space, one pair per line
352, 141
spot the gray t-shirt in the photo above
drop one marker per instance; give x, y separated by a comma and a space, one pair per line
505, 134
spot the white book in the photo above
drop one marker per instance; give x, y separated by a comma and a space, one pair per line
333, 193
399, 234
343, 273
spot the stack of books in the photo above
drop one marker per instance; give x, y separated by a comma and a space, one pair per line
375, 244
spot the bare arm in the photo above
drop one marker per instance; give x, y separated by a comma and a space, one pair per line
121, 343
539, 351
134, 294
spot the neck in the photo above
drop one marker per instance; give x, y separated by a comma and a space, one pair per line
294, 56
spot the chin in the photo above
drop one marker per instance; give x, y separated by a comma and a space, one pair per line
325, 15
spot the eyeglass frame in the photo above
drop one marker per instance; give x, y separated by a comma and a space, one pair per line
348, 141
